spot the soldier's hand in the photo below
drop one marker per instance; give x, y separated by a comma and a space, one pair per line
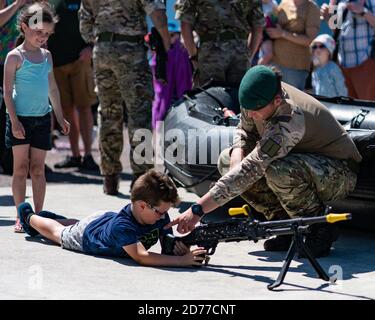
186, 222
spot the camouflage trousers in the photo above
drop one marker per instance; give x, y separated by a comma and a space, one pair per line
122, 75
297, 185
225, 62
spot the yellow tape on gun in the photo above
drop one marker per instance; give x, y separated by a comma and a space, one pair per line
245, 210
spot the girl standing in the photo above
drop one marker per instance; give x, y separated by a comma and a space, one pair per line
28, 83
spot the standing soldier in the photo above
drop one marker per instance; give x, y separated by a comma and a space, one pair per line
116, 29
289, 157
230, 33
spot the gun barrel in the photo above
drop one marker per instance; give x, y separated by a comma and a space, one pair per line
331, 218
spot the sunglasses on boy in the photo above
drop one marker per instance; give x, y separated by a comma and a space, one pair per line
157, 211
316, 46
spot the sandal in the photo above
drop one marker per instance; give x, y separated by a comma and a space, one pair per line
18, 227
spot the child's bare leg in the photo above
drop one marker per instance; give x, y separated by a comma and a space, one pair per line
20, 171
37, 160
49, 228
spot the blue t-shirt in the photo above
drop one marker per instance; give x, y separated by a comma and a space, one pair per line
108, 234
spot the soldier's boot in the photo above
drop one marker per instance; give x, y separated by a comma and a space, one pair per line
111, 184
320, 239
279, 243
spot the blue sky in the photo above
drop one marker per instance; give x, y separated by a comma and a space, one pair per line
170, 10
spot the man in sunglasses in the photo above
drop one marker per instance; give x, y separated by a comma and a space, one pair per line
289, 156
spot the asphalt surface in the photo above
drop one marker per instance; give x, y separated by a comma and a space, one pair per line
32, 268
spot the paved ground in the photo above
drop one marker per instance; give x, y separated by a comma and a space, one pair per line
35, 269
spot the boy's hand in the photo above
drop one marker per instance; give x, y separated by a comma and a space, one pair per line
18, 130
65, 127
180, 249
194, 257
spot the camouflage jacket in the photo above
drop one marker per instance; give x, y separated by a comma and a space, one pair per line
301, 124
126, 17
216, 16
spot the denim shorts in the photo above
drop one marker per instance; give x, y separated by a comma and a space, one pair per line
37, 132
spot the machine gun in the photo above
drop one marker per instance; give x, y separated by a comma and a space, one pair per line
155, 43
210, 235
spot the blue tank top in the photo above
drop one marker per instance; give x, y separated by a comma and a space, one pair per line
31, 86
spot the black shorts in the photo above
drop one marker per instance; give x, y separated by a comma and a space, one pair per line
37, 132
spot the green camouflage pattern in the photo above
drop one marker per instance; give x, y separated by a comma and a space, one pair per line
277, 140
294, 161
297, 185
225, 61
214, 16
127, 17
122, 74
222, 60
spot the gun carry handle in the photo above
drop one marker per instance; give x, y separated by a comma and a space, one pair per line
245, 210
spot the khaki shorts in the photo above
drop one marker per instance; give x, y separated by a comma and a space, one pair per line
76, 84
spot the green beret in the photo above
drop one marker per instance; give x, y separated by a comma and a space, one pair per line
258, 88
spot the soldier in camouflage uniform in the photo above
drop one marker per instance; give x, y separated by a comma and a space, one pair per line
289, 156
116, 29
230, 32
